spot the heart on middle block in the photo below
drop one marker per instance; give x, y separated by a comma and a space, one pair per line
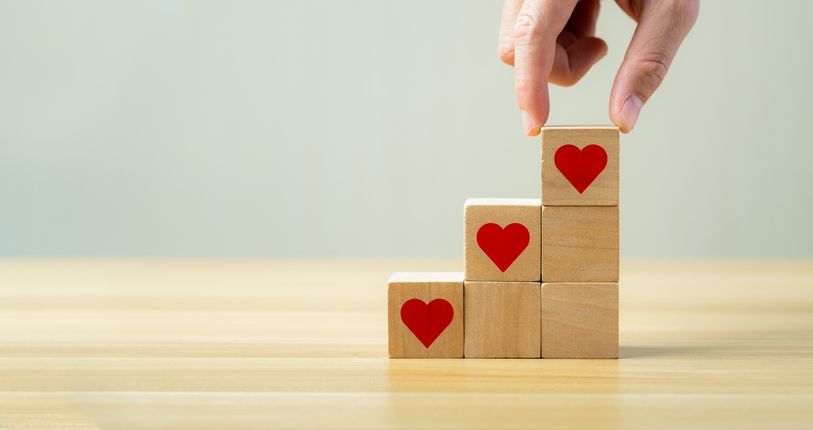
503, 245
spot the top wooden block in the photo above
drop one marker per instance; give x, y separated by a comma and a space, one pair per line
580, 166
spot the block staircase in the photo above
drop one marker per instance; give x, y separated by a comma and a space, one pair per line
540, 276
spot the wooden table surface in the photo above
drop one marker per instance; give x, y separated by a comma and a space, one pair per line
302, 345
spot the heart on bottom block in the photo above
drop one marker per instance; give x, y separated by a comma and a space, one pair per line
427, 321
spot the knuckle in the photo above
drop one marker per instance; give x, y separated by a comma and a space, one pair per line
567, 80
524, 26
654, 66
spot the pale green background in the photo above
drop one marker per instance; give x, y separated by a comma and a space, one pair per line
358, 128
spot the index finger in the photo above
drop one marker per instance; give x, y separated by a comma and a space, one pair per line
538, 24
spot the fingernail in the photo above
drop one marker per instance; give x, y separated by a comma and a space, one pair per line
529, 125
630, 111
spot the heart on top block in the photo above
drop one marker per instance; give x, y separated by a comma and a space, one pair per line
427, 321
503, 245
580, 166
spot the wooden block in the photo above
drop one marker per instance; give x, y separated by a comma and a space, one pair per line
579, 244
579, 320
502, 319
426, 315
502, 239
580, 166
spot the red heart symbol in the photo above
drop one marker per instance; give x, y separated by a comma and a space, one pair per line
427, 322
580, 167
503, 245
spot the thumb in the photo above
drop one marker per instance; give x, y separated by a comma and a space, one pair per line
662, 26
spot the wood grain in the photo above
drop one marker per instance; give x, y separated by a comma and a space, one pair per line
580, 320
478, 212
556, 190
580, 244
426, 287
256, 345
502, 319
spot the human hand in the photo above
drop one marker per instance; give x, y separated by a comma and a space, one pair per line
554, 41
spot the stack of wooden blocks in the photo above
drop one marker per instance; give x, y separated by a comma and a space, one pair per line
541, 275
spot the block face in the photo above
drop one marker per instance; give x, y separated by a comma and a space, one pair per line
425, 312
580, 244
502, 240
579, 320
502, 319
580, 166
